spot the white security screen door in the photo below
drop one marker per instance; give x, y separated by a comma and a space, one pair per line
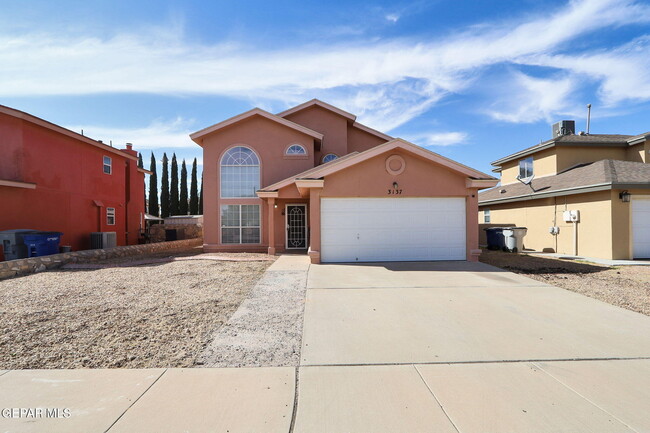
392, 229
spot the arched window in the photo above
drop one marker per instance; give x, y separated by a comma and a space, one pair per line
296, 149
240, 173
329, 157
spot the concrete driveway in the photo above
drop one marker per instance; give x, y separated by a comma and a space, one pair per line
466, 347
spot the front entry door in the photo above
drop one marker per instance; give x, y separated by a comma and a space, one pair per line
296, 226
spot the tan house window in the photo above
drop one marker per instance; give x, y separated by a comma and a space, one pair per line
486, 216
526, 168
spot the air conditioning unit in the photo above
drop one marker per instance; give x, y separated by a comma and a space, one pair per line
101, 240
564, 127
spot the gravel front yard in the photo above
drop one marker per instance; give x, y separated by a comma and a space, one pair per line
156, 315
624, 286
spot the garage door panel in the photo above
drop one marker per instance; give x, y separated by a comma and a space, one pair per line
641, 227
403, 229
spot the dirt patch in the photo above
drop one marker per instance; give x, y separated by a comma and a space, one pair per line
156, 315
624, 286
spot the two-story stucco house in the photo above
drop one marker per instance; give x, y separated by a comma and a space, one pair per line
603, 179
312, 179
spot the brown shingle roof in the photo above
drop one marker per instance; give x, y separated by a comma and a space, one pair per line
607, 173
570, 140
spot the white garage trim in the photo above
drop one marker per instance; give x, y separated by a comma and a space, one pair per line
640, 227
393, 229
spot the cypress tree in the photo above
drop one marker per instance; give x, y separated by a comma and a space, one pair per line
140, 164
194, 191
153, 188
173, 189
164, 188
201, 197
182, 203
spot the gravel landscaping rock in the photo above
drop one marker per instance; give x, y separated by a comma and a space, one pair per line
624, 286
266, 330
157, 315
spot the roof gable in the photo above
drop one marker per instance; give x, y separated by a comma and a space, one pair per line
197, 137
319, 103
355, 158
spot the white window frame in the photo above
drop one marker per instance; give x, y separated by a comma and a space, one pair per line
110, 213
527, 165
240, 226
108, 164
221, 165
302, 152
487, 218
329, 154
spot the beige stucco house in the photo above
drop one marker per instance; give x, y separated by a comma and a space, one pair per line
604, 179
313, 180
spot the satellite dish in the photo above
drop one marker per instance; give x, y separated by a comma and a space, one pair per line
527, 180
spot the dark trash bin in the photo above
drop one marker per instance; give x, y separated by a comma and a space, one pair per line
13, 244
42, 243
171, 235
495, 238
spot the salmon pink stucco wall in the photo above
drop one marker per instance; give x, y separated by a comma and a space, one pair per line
420, 178
333, 126
269, 140
69, 178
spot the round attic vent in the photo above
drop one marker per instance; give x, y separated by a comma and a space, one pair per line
395, 165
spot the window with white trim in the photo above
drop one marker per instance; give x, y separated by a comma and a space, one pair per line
240, 173
329, 157
526, 168
486, 216
240, 224
108, 165
110, 216
296, 149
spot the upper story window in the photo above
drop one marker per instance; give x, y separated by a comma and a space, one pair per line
329, 157
108, 165
296, 149
486, 216
526, 168
110, 216
240, 173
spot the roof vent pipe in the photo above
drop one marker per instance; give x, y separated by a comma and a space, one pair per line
588, 117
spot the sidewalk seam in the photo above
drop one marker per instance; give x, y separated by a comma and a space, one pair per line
294, 413
2, 374
494, 361
135, 401
584, 397
436, 398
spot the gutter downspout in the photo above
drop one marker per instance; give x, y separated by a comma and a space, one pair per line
575, 238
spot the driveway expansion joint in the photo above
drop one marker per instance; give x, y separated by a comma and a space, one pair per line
437, 400
135, 401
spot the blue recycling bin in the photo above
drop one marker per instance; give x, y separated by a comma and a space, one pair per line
42, 243
495, 238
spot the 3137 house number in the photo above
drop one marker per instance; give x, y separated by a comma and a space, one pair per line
395, 191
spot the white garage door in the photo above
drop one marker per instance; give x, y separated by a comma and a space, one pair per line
640, 228
392, 229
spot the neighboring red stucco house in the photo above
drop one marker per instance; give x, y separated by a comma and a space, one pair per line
54, 179
313, 179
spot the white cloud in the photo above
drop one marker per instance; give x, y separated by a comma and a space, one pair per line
393, 18
385, 82
158, 134
439, 138
528, 99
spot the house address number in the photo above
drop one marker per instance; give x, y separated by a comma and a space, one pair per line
394, 192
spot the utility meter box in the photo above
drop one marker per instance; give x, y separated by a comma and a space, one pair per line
571, 216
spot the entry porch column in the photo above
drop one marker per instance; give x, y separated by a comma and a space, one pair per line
314, 224
271, 227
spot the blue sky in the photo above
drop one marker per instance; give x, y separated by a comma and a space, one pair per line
471, 80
